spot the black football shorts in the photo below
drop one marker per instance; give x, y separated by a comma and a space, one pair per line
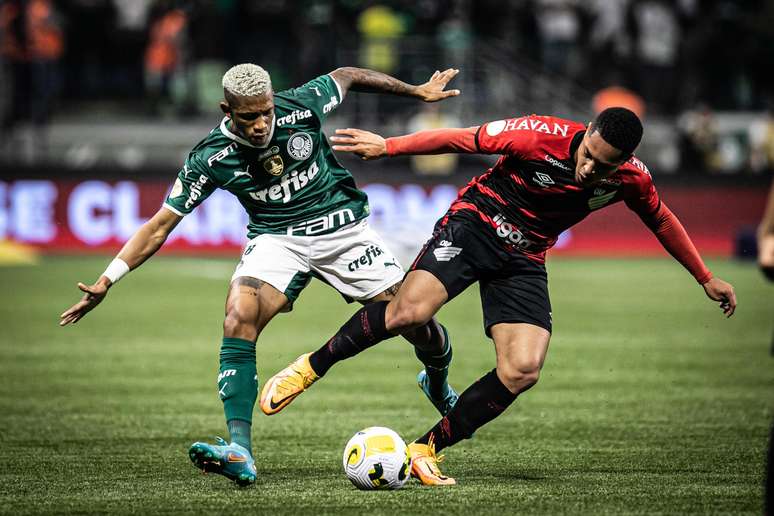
514, 289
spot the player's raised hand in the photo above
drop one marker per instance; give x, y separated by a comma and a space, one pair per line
719, 290
433, 90
365, 144
93, 295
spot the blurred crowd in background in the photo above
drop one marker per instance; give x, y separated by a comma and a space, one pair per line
697, 69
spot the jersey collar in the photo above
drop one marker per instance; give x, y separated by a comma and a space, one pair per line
227, 133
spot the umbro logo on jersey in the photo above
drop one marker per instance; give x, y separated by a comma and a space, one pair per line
543, 180
447, 252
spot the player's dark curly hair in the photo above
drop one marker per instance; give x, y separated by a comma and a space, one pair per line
619, 127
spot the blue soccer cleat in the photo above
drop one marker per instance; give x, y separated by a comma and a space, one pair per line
230, 460
446, 402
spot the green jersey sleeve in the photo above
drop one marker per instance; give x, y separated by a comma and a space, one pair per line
192, 186
321, 95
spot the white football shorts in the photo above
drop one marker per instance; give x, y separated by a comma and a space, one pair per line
354, 260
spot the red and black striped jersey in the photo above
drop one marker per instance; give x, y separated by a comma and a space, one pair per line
530, 196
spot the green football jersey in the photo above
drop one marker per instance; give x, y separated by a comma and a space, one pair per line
294, 184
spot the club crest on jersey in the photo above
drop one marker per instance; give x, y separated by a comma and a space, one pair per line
274, 165
543, 180
600, 199
300, 146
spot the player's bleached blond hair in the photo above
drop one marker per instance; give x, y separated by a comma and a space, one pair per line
247, 80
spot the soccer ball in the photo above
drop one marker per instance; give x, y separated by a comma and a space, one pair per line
377, 458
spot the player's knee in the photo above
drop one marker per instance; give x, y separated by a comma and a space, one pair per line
238, 326
401, 317
519, 376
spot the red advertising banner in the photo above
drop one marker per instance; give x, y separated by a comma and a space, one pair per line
99, 216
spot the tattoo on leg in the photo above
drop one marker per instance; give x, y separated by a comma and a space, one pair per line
393, 290
249, 286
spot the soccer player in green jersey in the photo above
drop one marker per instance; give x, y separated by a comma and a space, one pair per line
306, 218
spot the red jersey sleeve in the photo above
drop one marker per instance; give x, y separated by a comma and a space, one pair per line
511, 136
642, 198
640, 193
435, 141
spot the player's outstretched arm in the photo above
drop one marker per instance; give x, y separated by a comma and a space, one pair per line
370, 81
365, 144
672, 235
370, 145
141, 246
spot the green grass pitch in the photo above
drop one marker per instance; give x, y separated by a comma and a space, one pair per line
649, 402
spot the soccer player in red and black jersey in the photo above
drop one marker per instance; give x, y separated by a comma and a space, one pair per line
551, 174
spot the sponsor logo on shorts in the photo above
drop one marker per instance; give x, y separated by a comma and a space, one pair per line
322, 224
246, 172
365, 259
446, 251
300, 146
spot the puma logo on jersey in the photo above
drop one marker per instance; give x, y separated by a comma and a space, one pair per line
288, 185
247, 173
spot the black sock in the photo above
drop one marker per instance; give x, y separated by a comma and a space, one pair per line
363, 330
479, 404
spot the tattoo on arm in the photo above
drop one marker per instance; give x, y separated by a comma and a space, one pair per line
370, 81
